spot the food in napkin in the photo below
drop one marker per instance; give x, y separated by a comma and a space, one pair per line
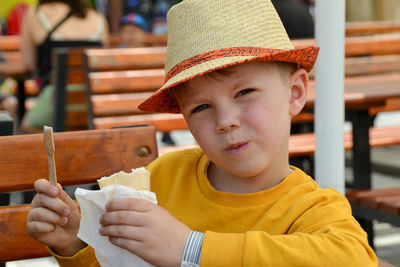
138, 179
92, 204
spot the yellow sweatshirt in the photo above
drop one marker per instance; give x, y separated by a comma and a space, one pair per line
295, 223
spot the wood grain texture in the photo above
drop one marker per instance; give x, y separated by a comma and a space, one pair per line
81, 156
15, 243
125, 58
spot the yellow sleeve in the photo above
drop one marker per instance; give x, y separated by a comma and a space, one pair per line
262, 249
325, 234
85, 258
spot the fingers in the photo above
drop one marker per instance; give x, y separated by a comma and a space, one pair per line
122, 218
128, 244
65, 197
123, 231
53, 203
132, 204
43, 186
47, 216
36, 228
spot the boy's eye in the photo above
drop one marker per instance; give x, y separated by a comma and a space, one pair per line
245, 92
200, 108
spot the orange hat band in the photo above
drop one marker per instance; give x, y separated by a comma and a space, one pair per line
269, 54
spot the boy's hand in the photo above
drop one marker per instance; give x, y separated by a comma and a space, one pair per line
54, 219
145, 229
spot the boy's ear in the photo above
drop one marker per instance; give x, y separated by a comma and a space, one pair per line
298, 91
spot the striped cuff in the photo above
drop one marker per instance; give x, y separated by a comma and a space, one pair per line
192, 252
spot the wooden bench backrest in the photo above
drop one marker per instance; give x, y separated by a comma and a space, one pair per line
9, 43
367, 57
367, 54
149, 39
119, 80
371, 27
382, 44
106, 59
68, 68
81, 158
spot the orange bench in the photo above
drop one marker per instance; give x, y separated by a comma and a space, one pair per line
369, 59
81, 158
371, 27
380, 204
120, 79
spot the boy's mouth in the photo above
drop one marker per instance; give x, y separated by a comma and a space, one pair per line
236, 148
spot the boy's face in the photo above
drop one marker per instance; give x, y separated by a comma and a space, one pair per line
241, 118
132, 35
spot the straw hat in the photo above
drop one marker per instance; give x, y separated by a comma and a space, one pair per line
206, 35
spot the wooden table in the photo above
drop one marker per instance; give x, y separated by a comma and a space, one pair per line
361, 94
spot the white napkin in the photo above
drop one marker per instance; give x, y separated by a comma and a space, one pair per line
92, 204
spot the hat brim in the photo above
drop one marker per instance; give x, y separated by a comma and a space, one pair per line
163, 102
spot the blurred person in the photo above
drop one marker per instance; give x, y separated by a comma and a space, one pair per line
295, 17
52, 24
134, 31
7, 100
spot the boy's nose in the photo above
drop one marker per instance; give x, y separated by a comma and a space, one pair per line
226, 121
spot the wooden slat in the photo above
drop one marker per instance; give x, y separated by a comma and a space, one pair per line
9, 43
16, 244
149, 39
126, 81
371, 27
75, 57
162, 122
362, 92
76, 119
304, 144
13, 57
392, 205
357, 196
75, 76
372, 65
76, 97
125, 58
303, 117
363, 45
118, 104
392, 104
377, 202
373, 45
81, 156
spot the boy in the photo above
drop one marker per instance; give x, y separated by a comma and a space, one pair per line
236, 78
133, 30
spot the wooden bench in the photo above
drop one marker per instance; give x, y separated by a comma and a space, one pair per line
371, 27
112, 59
149, 40
81, 158
10, 43
70, 111
369, 60
367, 56
119, 80
115, 90
380, 204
